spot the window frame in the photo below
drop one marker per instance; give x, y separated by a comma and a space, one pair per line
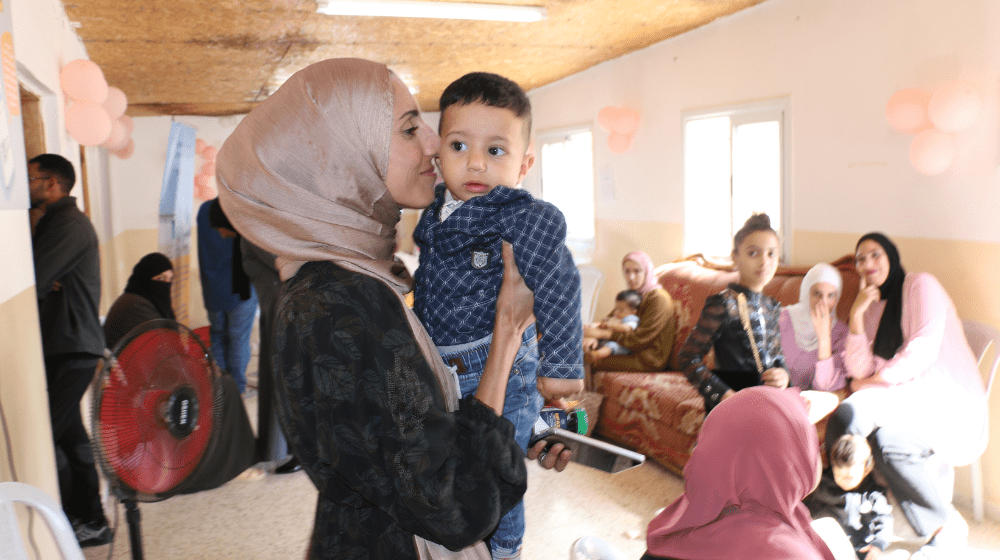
748, 113
582, 249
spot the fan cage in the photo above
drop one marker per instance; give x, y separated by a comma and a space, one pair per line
138, 452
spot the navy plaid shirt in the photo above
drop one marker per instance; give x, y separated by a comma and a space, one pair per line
461, 268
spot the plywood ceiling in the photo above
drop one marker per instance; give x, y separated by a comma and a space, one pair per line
222, 57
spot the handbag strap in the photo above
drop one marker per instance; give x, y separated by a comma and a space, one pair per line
741, 302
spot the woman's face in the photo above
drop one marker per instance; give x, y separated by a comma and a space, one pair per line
823, 294
411, 176
635, 274
757, 259
871, 262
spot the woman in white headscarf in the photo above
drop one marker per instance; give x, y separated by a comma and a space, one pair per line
811, 336
317, 175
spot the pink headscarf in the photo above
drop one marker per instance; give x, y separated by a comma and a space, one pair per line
642, 259
755, 460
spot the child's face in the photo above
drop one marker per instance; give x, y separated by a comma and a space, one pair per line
622, 310
850, 476
482, 147
757, 259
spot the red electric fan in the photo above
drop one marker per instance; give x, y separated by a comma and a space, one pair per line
160, 420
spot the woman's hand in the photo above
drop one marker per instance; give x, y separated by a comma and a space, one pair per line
557, 457
514, 314
775, 377
822, 321
516, 302
590, 343
866, 296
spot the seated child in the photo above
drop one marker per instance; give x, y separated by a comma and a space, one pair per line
485, 128
740, 323
849, 493
622, 319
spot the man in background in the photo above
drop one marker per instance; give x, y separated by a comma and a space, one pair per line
68, 282
230, 300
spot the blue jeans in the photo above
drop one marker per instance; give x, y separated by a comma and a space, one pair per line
521, 406
230, 335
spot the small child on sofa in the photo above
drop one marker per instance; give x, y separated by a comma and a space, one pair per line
624, 319
740, 323
850, 494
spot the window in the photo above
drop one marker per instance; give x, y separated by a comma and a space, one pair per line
567, 170
735, 164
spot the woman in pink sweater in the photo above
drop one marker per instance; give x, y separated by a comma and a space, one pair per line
917, 392
811, 336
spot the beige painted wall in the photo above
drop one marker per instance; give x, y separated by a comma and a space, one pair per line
616, 238
24, 404
43, 40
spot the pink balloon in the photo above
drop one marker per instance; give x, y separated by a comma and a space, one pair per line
128, 123
208, 168
201, 181
618, 143
116, 103
199, 145
210, 153
932, 151
118, 138
955, 106
83, 80
906, 110
88, 123
127, 151
618, 119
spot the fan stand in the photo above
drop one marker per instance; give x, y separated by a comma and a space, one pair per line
134, 520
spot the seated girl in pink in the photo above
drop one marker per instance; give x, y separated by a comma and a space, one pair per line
811, 336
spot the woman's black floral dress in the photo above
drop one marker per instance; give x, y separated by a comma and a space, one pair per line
364, 415
720, 327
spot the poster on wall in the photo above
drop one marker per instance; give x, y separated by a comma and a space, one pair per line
13, 165
176, 201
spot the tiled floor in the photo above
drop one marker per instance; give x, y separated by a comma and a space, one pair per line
272, 518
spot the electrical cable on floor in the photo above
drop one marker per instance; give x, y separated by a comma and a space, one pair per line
13, 475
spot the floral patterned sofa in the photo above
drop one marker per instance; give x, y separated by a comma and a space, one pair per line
659, 414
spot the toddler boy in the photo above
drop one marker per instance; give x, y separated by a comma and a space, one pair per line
849, 493
622, 319
485, 128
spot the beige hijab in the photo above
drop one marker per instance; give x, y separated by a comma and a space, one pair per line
303, 177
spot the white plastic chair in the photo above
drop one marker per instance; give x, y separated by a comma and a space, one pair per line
593, 548
11, 546
981, 338
591, 279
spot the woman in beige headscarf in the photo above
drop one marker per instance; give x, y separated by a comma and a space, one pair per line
317, 175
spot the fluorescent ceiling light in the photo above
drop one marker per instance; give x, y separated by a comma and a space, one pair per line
441, 10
